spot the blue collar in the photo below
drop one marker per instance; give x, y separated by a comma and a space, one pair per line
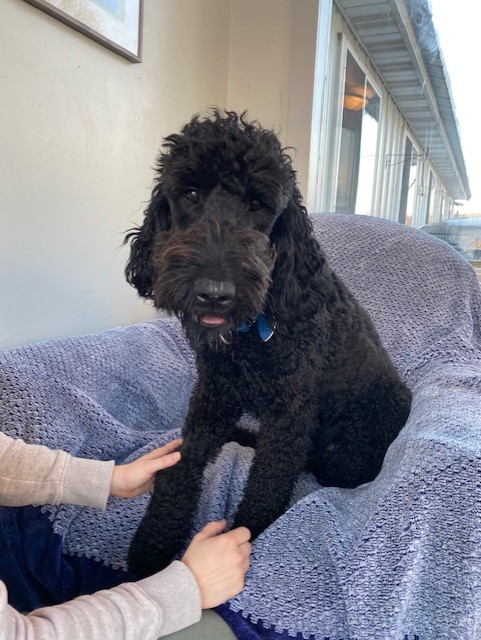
264, 329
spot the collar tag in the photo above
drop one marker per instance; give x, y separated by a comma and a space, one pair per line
264, 329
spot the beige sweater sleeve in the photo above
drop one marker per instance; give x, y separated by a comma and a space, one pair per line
33, 474
145, 610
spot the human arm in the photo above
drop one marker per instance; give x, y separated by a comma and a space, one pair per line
212, 570
34, 474
145, 610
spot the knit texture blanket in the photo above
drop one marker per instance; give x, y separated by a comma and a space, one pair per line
396, 559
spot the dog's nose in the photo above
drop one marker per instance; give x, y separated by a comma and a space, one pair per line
219, 291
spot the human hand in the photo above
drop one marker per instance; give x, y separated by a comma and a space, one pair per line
137, 477
219, 562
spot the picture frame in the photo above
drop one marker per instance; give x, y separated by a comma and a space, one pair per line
115, 24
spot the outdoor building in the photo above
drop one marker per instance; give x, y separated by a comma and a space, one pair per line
385, 138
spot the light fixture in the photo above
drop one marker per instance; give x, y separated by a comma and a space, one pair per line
357, 96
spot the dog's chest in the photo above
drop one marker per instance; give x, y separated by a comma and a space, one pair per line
263, 372
255, 383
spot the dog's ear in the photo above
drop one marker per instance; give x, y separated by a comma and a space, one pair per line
298, 262
139, 268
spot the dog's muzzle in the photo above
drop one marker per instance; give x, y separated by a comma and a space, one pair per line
215, 296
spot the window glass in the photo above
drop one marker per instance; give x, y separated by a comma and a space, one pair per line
408, 185
430, 202
357, 159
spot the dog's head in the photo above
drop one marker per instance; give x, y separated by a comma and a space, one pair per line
225, 236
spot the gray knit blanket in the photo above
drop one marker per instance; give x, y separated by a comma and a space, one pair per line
396, 559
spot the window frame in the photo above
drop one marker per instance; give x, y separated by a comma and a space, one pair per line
347, 47
405, 181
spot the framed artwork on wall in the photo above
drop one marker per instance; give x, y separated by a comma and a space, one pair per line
115, 24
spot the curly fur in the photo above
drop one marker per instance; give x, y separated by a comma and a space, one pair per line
225, 238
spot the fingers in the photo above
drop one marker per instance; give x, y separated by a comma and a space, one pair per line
246, 550
164, 462
240, 535
162, 457
210, 530
163, 451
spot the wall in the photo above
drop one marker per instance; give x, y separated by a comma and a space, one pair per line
80, 128
260, 59
272, 57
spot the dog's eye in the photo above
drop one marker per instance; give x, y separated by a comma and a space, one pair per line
192, 195
255, 205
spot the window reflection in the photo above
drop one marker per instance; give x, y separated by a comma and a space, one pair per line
357, 158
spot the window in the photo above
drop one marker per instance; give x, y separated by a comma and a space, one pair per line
430, 202
408, 184
357, 159
442, 206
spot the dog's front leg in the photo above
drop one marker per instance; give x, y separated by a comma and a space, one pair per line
281, 454
167, 523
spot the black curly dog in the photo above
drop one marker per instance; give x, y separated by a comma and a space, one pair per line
227, 246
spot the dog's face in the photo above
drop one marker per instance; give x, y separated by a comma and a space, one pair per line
205, 248
212, 274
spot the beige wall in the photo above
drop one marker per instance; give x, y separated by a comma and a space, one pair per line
260, 59
271, 69
80, 128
